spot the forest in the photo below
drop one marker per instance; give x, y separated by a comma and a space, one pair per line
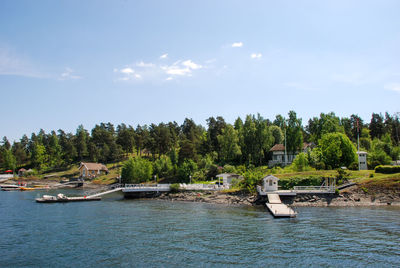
173, 151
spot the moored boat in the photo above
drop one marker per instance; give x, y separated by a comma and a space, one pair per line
10, 187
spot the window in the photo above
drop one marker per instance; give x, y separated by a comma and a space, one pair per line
270, 182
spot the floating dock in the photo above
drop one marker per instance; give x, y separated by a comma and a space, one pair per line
277, 208
64, 199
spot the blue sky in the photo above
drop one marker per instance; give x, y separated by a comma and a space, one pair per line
65, 63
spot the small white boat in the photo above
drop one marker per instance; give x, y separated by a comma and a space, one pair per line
10, 187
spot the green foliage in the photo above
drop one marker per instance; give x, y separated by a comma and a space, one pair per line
300, 163
326, 123
387, 169
337, 191
229, 169
353, 166
294, 134
277, 134
337, 150
342, 174
9, 161
187, 169
378, 154
365, 190
252, 178
39, 157
136, 170
228, 142
163, 167
175, 187
289, 183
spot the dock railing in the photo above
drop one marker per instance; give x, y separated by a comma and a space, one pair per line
328, 189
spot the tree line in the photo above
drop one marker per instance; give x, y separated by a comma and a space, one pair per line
182, 149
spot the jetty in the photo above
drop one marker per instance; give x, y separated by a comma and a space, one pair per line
60, 198
277, 208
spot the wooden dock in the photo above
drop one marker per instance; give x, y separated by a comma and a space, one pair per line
277, 208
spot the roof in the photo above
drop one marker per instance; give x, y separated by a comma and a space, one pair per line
22, 170
271, 176
228, 174
277, 147
281, 147
94, 166
361, 152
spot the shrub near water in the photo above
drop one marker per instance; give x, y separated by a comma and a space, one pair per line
289, 183
136, 170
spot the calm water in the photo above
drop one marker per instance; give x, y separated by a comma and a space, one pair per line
150, 233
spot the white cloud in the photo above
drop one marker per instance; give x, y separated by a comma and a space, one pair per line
161, 72
393, 87
190, 64
184, 68
256, 55
237, 44
164, 56
127, 70
69, 74
127, 74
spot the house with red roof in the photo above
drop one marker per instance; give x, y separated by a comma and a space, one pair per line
91, 170
279, 157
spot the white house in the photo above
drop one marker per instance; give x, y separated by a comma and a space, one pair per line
362, 160
227, 178
278, 154
270, 183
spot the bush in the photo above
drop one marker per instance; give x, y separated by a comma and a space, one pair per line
187, 169
175, 187
300, 163
353, 166
252, 178
136, 170
387, 169
229, 169
287, 184
337, 150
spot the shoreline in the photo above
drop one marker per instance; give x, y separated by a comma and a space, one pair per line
350, 197
354, 196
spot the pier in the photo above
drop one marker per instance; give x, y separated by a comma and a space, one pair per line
277, 208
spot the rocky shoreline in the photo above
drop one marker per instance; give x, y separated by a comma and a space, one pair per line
352, 196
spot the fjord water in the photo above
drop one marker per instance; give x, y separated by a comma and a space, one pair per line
151, 233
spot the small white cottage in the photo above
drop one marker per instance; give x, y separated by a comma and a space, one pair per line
227, 178
270, 183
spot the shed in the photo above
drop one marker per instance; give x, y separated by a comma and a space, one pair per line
91, 170
270, 183
227, 178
